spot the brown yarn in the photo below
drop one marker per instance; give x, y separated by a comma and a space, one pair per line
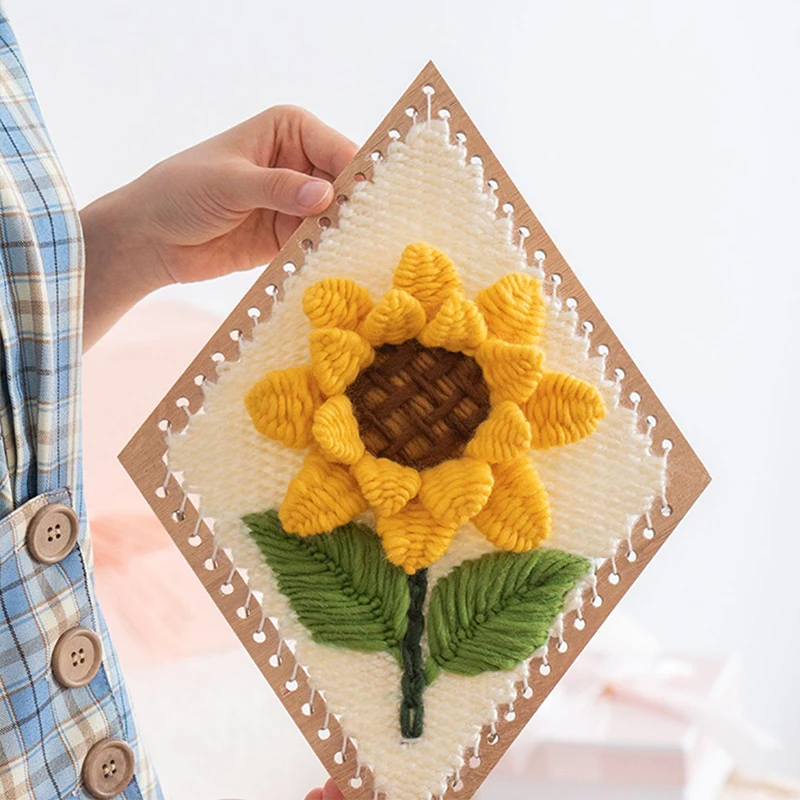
417, 405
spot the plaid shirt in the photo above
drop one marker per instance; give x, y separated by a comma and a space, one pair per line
46, 729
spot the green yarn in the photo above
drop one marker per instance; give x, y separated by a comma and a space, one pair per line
339, 584
492, 613
413, 683
485, 615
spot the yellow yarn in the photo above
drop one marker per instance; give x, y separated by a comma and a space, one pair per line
454, 491
427, 274
513, 308
457, 326
320, 497
282, 405
517, 516
503, 436
494, 484
337, 356
397, 318
336, 431
336, 303
412, 538
511, 370
386, 485
562, 410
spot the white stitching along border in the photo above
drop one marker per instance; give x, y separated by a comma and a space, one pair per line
425, 188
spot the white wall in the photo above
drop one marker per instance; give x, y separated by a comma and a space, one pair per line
656, 142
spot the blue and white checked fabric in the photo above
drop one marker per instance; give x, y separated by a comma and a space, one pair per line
46, 730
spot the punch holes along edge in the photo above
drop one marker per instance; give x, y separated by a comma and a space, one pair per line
181, 512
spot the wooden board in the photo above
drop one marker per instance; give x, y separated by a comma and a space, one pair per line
145, 460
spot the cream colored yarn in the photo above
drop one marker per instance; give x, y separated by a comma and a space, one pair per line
423, 191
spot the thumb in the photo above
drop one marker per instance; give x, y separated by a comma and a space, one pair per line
284, 190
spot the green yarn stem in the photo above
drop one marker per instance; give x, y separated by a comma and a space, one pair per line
412, 710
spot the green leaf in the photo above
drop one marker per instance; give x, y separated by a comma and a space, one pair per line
339, 584
492, 613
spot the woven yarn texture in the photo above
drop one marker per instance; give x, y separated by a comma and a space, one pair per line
424, 190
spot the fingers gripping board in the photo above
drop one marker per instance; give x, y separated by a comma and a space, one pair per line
538, 478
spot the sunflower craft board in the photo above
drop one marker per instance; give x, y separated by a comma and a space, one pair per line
415, 469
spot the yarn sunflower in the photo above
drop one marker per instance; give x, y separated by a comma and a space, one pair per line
424, 407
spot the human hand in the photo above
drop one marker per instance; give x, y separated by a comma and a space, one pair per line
330, 791
226, 204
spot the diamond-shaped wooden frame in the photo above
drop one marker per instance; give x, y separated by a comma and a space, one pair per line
145, 460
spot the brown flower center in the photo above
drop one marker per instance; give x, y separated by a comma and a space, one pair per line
419, 406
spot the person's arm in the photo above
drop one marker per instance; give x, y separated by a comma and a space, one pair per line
226, 204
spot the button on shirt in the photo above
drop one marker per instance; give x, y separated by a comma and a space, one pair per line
66, 728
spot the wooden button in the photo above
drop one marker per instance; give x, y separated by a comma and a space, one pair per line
52, 533
77, 657
108, 768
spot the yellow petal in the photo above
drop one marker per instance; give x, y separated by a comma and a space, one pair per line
336, 303
337, 356
503, 436
412, 538
396, 319
457, 326
562, 410
511, 370
336, 431
320, 497
517, 516
455, 491
514, 308
427, 274
386, 485
282, 405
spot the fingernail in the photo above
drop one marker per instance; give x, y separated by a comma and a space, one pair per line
312, 193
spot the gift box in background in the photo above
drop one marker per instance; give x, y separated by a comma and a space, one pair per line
628, 723
618, 750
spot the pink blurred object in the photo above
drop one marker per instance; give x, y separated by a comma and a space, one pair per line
156, 609
621, 750
628, 723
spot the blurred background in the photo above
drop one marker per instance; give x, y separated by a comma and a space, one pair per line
657, 143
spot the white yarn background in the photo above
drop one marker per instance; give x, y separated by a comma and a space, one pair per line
424, 190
